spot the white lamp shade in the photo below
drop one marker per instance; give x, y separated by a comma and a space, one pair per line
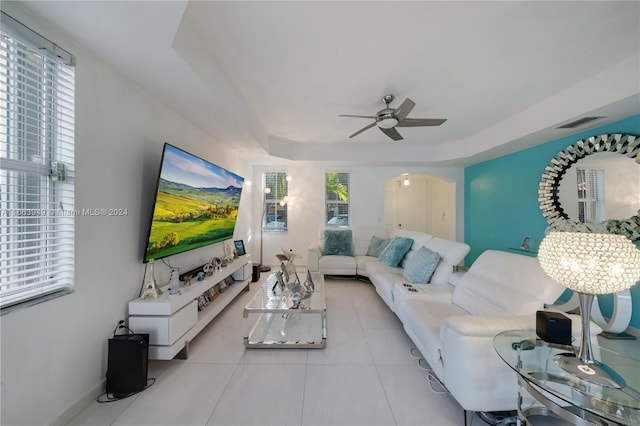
590, 263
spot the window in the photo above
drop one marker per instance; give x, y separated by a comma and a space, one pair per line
337, 198
590, 195
276, 192
36, 168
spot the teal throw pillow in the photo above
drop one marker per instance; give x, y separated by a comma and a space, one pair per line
394, 251
376, 245
338, 242
421, 266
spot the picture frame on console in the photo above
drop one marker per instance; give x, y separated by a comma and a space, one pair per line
239, 245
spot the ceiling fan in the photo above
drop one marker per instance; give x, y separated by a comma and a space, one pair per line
388, 119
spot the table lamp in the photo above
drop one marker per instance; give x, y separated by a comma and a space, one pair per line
589, 264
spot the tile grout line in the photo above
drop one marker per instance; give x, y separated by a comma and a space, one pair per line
226, 385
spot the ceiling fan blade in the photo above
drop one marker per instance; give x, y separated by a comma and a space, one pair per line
358, 116
363, 129
404, 109
392, 133
418, 122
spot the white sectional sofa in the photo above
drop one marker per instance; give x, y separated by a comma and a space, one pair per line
385, 277
501, 291
453, 319
344, 265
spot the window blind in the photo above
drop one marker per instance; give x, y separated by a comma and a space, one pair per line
37, 212
591, 203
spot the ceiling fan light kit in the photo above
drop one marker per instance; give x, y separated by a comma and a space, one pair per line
388, 118
387, 122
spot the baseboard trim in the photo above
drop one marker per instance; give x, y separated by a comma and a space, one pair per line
80, 404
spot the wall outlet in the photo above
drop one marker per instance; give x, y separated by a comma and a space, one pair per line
120, 326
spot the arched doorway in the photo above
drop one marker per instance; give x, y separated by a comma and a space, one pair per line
421, 202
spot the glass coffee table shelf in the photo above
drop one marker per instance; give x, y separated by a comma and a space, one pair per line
272, 319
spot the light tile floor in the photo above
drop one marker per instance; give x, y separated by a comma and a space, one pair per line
365, 376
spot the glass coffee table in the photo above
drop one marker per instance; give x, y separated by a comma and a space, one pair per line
563, 394
273, 319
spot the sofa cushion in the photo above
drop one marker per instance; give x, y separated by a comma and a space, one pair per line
492, 298
451, 254
338, 242
395, 251
362, 263
385, 278
337, 265
421, 266
376, 245
419, 238
490, 286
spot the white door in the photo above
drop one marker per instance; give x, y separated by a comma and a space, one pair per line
425, 204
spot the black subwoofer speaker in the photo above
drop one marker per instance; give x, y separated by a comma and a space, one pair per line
553, 327
255, 276
127, 365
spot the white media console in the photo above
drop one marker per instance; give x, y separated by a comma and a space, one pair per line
174, 320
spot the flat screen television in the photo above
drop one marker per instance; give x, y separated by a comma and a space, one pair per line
196, 204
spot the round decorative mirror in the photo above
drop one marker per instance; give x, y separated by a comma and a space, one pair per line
595, 180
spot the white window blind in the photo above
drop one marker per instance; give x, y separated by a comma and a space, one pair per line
591, 202
37, 212
337, 198
276, 192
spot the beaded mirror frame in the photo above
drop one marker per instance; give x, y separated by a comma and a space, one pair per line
548, 188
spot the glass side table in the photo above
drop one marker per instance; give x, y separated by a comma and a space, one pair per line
273, 320
562, 394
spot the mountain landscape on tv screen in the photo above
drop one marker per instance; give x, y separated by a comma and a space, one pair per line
186, 217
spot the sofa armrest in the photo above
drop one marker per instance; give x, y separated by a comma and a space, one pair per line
486, 326
313, 257
470, 359
472, 370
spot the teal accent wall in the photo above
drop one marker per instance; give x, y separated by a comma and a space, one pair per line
501, 200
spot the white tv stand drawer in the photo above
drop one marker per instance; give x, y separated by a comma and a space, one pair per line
174, 320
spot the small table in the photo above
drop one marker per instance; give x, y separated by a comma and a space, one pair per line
563, 394
272, 320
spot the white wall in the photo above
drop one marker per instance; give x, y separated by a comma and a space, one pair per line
306, 208
54, 354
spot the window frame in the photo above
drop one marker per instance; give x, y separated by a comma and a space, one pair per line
37, 110
276, 200
590, 194
333, 202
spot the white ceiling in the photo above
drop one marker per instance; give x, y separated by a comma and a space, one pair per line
270, 78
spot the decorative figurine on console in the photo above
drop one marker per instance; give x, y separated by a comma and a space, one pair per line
227, 255
174, 281
187, 279
151, 289
214, 265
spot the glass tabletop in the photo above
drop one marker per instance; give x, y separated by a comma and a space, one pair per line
532, 359
271, 297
